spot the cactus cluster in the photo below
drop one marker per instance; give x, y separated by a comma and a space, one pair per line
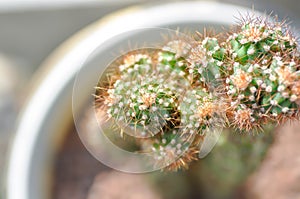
262, 73
172, 96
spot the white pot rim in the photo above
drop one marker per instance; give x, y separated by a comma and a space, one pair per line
75, 51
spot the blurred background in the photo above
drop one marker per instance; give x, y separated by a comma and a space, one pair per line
29, 31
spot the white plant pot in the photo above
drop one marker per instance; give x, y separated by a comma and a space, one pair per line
47, 116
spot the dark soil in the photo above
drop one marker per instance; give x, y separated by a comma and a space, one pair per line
74, 170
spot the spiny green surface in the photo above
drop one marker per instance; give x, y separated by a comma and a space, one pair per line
262, 73
207, 61
199, 110
144, 104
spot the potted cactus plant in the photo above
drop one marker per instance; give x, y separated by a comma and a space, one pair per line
181, 98
172, 99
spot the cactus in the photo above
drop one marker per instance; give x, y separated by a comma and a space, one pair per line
173, 96
200, 110
206, 61
174, 150
172, 57
143, 99
262, 73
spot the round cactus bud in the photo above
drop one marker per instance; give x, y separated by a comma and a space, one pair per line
207, 61
172, 57
144, 100
172, 150
200, 110
143, 106
135, 65
259, 38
